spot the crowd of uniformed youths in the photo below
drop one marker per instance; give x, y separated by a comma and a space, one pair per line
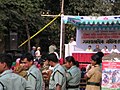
26, 76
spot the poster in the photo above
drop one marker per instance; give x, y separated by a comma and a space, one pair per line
104, 36
110, 75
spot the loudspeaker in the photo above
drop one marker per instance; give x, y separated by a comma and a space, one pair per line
13, 41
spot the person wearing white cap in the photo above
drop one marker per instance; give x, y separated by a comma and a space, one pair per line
33, 51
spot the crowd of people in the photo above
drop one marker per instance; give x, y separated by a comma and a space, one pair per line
34, 71
104, 49
51, 75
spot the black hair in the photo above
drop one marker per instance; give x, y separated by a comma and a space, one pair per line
6, 58
96, 58
105, 46
100, 54
71, 59
44, 56
28, 56
115, 46
52, 57
89, 46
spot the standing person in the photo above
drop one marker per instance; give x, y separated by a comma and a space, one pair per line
73, 74
72, 41
34, 75
38, 56
100, 54
97, 49
58, 77
94, 74
8, 79
37, 53
20, 70
52, 48
46, 72
71, 46
114, 49
33, 51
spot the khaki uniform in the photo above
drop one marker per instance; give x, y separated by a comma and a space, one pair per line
35, 78
46, 75
73, 78
19, 70
12, 81
94, 75
58, 77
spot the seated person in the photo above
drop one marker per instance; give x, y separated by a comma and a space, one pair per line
114, 49
97, 49
105, 49
89, 49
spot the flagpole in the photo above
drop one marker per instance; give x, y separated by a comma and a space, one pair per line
61, 30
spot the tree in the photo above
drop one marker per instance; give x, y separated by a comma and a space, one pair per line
116, 9
87, 7
22, 16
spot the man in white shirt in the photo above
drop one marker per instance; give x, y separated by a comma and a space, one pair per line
52, 48
71, 46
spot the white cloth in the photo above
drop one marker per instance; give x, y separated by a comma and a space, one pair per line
57, 55
89, 50
105, 50
71, 46
37, 53
114, 51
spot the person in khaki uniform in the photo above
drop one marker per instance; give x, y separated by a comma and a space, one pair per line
73, 74
58, 78
8, 79
94, 74
20, 71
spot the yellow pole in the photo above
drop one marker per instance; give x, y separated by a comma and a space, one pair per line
39, 31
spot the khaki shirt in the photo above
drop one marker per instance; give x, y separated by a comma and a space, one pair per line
57, 77
73, 77
20, 71
94, 75
35, 78
12, 81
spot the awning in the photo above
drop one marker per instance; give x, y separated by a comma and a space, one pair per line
91, 20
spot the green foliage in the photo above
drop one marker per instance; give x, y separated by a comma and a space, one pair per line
24, 17
116, 8
88, 7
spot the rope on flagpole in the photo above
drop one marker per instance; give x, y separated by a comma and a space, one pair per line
39, 31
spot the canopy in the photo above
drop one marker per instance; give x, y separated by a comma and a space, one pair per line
103, 28
91, 20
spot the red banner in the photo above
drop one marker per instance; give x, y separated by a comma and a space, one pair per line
100, 36
111, 65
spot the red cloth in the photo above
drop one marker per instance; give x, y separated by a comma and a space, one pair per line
82, 57
61, 61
